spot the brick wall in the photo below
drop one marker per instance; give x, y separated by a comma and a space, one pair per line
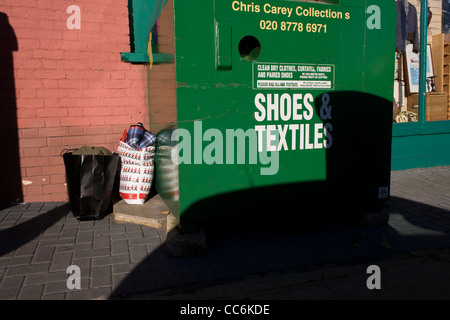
65, 88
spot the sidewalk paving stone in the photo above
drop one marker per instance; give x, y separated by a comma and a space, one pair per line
38, 241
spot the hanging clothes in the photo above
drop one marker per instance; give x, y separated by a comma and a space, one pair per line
407, 29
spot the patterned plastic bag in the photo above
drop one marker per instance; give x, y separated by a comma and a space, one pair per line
136, 174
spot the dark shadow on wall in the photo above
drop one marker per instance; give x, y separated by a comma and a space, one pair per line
10, 176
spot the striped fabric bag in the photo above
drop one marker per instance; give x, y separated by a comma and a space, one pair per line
136, 174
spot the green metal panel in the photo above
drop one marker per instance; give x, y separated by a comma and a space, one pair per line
322, 71
420, 151
143, 15
420, 144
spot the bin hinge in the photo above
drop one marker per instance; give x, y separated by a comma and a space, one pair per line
223, 46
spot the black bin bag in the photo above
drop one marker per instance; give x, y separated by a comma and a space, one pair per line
90, 181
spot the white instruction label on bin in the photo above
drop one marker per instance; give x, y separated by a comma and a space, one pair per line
274, 75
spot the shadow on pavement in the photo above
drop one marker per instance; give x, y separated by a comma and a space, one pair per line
242, 248
22, 233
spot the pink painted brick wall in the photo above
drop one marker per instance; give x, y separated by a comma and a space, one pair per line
69, 89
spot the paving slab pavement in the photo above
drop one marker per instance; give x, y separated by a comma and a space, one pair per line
421, 275
278, 259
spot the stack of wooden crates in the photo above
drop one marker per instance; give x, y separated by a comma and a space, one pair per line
440, 110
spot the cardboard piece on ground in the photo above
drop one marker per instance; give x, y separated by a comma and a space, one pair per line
148, 214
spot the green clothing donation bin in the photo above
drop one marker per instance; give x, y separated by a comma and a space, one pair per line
283, 107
